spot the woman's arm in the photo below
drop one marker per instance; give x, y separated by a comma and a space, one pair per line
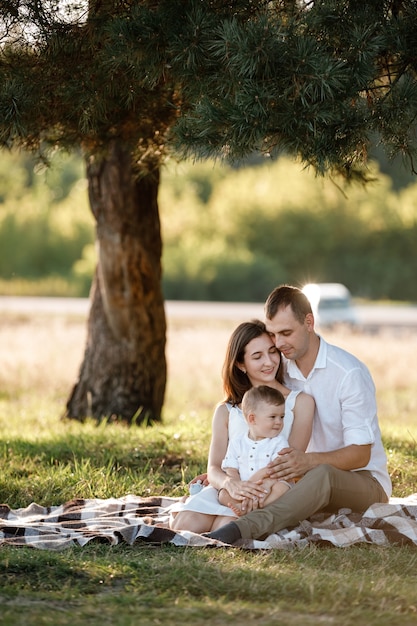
218, 446
294, 457
224, 496
302, 425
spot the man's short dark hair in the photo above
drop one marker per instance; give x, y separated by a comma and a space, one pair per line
284, 296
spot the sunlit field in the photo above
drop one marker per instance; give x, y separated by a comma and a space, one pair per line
48, 460
41, 355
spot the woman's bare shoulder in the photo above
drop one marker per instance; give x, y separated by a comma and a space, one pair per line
305, 402
221, 412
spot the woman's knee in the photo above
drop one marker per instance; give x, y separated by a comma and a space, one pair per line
182, 520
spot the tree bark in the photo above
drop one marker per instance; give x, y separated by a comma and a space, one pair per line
123, 374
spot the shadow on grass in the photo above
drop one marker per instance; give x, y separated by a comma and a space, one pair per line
52, 471
107, 463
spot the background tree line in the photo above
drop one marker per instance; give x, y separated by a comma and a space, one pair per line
229, 234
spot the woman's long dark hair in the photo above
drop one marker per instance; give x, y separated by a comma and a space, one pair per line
235, 382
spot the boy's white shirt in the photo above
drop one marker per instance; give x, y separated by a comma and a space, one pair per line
249, 456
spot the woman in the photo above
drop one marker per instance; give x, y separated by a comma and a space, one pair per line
251, 360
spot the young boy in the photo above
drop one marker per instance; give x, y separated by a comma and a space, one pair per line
247, 456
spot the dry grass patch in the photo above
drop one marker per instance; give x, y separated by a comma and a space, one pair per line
41, 355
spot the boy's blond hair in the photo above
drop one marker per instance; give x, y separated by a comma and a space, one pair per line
263, 393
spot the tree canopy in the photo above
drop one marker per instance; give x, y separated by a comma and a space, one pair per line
319, 79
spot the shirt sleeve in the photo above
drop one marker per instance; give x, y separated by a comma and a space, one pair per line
358, 406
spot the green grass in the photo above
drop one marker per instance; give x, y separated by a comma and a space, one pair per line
48, 460
84, 460
121, 585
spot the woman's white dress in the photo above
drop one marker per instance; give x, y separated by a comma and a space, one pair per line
206, 500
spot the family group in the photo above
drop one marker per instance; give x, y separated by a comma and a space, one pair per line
297, 431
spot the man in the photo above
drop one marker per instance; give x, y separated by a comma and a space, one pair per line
345, 465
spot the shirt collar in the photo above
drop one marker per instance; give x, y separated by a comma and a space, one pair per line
320, 362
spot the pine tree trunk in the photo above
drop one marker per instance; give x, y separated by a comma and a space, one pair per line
123, 374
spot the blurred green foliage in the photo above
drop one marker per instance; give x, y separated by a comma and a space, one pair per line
267, 224
229, 234
45, 224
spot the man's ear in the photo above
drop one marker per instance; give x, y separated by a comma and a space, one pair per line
309, 320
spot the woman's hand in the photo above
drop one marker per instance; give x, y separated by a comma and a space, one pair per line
241, 506
251, 504
245, 490
202, 478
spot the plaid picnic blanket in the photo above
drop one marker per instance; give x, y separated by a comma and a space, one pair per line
133, 520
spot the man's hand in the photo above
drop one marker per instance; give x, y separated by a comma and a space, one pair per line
289, 464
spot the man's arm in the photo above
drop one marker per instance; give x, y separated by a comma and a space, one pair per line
290, 463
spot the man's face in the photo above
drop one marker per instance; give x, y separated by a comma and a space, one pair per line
289, 336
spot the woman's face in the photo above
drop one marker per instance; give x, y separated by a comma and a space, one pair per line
261, 360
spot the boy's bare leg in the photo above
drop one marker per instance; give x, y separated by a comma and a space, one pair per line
278, 488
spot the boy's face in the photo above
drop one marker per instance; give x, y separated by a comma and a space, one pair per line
267, 420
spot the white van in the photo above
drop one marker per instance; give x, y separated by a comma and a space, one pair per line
331, 304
